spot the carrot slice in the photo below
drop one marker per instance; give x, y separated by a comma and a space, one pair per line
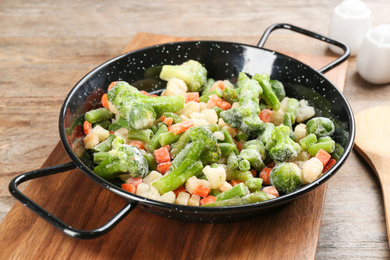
235, 182
264, 174
323, 156
265, 115
207, 200
143, 92
218, 84
163, 167
168, 121
180, 127
192, 96
201, 190
329, 165
129, 187
137, 143
271, 190
134, 181
162, 155
180, 189
112, 85
87, 127
214, 100
104, 101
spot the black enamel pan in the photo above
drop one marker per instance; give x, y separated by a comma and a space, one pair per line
223, 60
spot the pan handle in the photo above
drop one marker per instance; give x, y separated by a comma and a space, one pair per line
76, 233
323, 70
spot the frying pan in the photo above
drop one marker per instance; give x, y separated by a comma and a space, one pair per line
223, 60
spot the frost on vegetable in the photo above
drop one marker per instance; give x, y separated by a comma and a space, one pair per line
191, 72
283, 148
286, 177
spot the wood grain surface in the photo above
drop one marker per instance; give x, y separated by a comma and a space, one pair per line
295, 227
46, 47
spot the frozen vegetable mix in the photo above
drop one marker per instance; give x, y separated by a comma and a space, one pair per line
208, 142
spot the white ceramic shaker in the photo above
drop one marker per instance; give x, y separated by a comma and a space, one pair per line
373, 59
350, 22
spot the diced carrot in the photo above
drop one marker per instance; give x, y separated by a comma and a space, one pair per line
180, 189
180, 127
87, 127
271, 190
104, 101
192, 96
112, 85
162, 118
112, 132
162, 155
235, 182
239, 144
143, 92
271, 165
163, 167
137, 143
254, 172
214, 100
168, 121
154, 95
264, 174
323, 156
219, 84
265, 115
201, 190
329, 165
134, 181
207, 200
129, 187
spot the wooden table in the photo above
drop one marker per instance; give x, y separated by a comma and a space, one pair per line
46, 49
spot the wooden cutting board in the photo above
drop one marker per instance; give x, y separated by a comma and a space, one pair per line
290, 233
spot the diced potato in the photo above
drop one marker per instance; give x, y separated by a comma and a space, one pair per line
202, 106
225, 186
113, 109
101, 132
204, 183
122, 132
300, 131
228, 84
175, 87
189, 108
185, 118
168, 197
210, 115
235, 104
143, 189
182, 198
194, 200
311, 170
199, 122
215, 176
304, 111
153, 175
154, 194
191, 184
222, 123
91, 139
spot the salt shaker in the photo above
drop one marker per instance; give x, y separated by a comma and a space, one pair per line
350, 22
373, 59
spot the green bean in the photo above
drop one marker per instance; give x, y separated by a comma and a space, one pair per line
254, 184
181, 156
237, 191
97, 115
99, 157
232, 161
175, 117
154, 142
105, 145
168, 138
181, 143
338, 152
307, 141
244, 165
151, 161
226, 148
268, 94
253, 157
328, 146
143, 135
239, 175
229, 139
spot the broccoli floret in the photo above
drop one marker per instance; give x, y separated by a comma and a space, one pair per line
138, 110
283, 148
122, 159
245, 117
191, 72
211, 153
